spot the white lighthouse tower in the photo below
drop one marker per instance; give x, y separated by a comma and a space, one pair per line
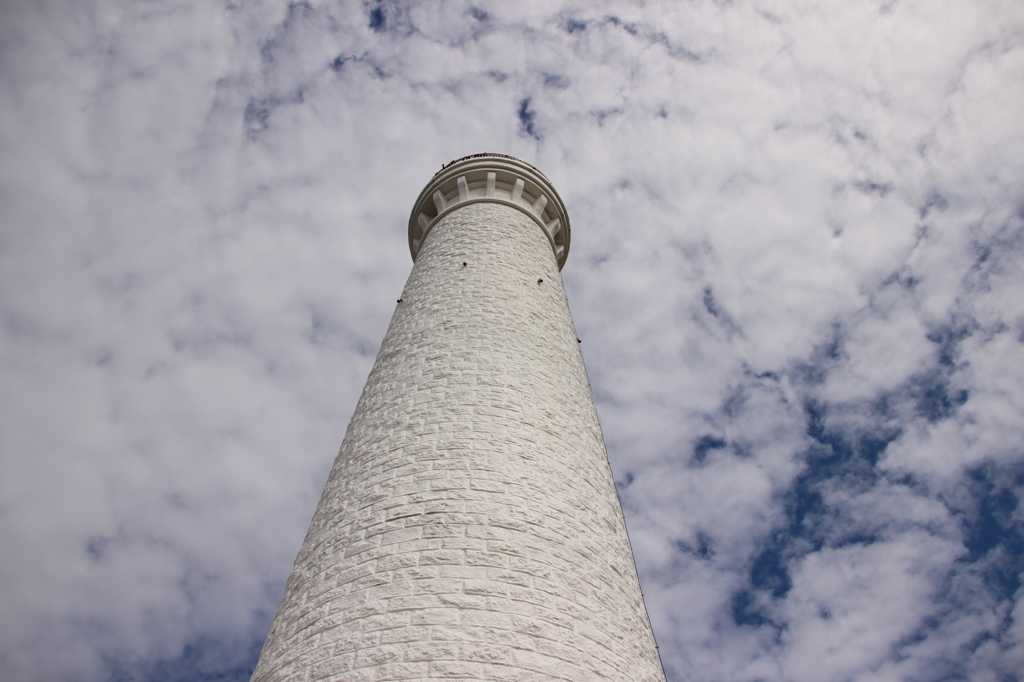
470, 526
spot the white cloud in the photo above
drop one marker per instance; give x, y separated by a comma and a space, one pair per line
851, 605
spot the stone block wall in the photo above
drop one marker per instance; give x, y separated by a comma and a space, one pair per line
470, 527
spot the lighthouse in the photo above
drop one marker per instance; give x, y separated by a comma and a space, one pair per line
470, 526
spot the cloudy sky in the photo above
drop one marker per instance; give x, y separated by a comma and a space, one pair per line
798, 229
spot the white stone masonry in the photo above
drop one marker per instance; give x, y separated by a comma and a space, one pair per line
470, 527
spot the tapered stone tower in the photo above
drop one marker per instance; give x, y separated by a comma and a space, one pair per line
470, 526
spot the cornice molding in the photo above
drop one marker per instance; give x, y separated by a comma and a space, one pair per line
494, 178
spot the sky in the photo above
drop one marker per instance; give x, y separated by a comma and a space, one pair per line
798, 229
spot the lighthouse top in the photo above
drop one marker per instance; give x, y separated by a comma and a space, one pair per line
495, 178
